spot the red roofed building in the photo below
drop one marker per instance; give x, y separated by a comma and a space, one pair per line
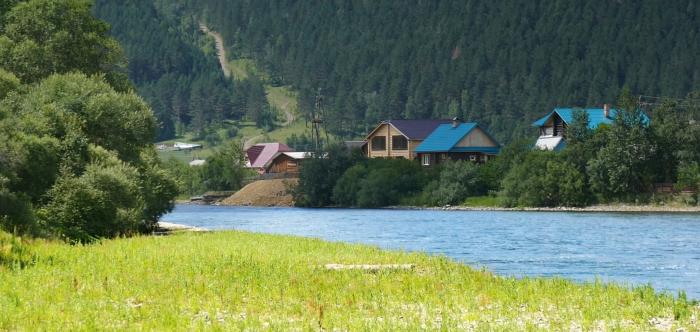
259, 155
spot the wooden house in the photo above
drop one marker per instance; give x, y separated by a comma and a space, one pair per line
399, 138
457, 141
553, 126
259, 155
286, 162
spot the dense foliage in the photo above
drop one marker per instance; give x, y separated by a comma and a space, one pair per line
379, 182
621, 162
502, 63
76, 153
617, 163
174, 66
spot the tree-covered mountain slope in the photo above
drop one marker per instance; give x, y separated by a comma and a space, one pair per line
500, 62
168, 63
503, 63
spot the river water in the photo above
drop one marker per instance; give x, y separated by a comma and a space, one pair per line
632, 248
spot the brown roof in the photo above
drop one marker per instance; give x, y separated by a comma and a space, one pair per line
415, 129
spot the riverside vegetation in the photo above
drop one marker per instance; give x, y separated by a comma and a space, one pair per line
618, 163
76, 155
221, 280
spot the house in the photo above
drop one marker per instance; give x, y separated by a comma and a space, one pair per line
259, 155
180, 146
457, 141
399, 138
286, 162
553, 125
197, 162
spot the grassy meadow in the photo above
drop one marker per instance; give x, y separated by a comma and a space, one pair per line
238, 280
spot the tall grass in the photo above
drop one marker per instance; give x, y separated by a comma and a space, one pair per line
238, 280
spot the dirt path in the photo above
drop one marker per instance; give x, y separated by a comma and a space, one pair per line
221, 52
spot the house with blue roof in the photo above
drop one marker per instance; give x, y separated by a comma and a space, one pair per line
457, 141
553, 125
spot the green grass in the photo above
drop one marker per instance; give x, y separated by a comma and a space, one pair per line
481, 201
244, 281
242, 68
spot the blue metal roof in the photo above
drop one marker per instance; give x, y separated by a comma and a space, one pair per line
445, 137
596, 116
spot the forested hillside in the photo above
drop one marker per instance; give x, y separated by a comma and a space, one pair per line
503, 63
181, 83
500, 62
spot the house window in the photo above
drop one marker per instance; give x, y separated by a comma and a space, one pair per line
399, 142
472, 157
426, 160
378, 143
484, 158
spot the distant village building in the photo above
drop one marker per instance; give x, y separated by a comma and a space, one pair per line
179, 146
399, 138
457, 141
259, 156
553, 126
286, 162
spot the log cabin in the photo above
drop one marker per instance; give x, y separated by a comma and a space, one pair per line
457, 141
286, 162
399, 138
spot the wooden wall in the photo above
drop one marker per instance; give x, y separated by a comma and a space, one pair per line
387, 131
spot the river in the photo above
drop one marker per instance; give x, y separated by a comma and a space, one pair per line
631, 248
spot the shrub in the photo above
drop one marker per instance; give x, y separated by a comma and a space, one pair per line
379, 182
544, 178
347, 187
14, 251
104, 202
224, 170
318, 176
459, 180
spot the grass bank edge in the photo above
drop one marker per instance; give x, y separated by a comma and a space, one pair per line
279, 281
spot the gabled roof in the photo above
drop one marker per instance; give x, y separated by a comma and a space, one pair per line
293, 155
259, 154
445, 137
413, 129
596, 116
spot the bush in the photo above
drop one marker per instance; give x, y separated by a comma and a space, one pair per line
544, 178
347, 187
16, 213
224, 170
104, 202
458, 180
379, 182
15, 252
318, 176
8, 83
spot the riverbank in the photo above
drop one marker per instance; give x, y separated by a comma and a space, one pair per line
593, 208
220, 280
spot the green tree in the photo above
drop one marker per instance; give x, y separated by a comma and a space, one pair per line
42, 37
318, 176
544, 178
624, 167
224, 169
458, 181
8, 82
